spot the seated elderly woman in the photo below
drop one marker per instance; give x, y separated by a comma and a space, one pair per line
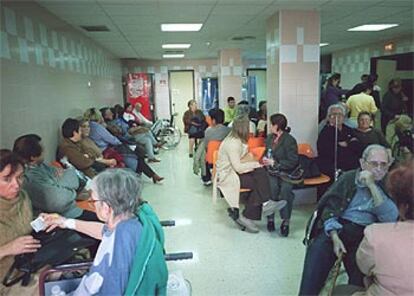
130, 257
140, 135
355, 201
342, 150
15, 217
366, 134
77, 155
142, 120
51, 190
105, 140
385, 254
237, 168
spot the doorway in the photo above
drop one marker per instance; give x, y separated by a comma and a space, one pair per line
257, 86
181, 83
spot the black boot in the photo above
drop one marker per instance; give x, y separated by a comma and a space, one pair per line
284, 228
271, 223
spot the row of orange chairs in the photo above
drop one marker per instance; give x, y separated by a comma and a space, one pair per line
257, 148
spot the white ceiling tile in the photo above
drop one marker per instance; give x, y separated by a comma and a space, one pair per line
135, 24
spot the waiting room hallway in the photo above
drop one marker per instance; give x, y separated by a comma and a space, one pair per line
226, 261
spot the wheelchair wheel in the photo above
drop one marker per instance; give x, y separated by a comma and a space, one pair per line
171, 136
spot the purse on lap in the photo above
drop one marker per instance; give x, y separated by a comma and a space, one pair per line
56, 248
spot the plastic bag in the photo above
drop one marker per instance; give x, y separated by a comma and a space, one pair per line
177, 285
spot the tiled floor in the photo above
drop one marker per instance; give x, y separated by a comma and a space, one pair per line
226, 260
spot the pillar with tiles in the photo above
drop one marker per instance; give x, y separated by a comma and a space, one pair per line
292, 57
230, 75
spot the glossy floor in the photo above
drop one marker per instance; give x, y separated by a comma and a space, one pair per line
226, 260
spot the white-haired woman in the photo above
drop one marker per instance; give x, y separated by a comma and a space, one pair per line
347, 156
116, 197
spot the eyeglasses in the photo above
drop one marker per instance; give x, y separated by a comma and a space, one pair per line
378, 164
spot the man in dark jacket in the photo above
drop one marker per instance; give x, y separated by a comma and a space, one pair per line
355, 201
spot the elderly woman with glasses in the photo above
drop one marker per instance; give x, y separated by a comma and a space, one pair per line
346, 156
357, 200
129, 256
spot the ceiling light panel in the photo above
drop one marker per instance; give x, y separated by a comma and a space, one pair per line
323, 44
176, 46
181, 27
372, 27
173, 56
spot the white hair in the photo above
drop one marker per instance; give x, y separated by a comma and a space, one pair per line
120, 189
375, 147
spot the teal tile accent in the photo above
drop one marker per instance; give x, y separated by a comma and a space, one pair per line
73, 48
24, 54
43, 35
61, 60
4, 45
80, 50
64, 45
55, 40
10, 21
28, 29
39, 54
51, 57
70, 63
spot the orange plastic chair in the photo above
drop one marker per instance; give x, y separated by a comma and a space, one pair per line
212, 146
256, 142
258, 152
208, 120
306, 149
85, 205
56, 164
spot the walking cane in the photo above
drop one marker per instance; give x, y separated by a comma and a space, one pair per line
336, 149
337, 267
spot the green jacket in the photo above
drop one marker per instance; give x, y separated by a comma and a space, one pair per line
149, 274
285, 153
51, 193
335, 201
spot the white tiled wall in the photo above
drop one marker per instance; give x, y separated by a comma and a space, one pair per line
45, 69
354, 62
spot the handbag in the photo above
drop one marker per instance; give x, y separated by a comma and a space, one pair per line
56, 248
294, 177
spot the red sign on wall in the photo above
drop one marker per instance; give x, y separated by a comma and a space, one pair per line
139, 91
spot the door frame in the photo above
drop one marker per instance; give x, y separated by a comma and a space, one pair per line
169, 85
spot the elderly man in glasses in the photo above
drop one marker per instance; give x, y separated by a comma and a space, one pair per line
355, 201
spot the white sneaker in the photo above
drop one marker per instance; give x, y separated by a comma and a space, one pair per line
272, 206
248, 224
207, 183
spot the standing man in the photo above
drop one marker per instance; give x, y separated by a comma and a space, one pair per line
230, 110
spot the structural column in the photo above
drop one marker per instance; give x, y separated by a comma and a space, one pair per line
230, 75
292, 57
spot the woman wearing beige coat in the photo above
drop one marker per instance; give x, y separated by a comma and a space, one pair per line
237, 168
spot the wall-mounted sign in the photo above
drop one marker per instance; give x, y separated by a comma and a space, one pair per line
389, 46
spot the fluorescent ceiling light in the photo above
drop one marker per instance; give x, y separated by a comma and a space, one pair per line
173, 56
323, 44
176, 46
181, 27
371, 28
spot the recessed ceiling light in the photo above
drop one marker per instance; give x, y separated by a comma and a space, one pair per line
323, 44
176, 46
173, 56
373, 27
181, 27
